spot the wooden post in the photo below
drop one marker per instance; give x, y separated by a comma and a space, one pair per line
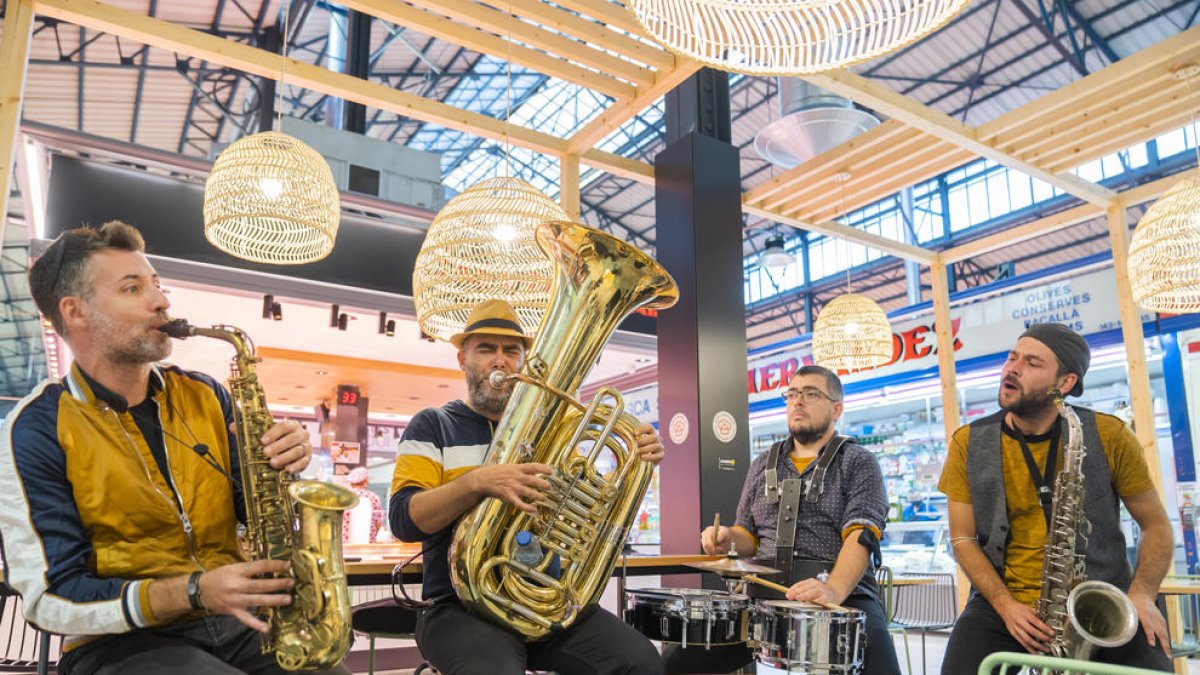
1135, 348
945, 351
568, 194
945, 347
14, 62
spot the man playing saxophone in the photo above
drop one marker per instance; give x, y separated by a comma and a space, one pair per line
438, 478
120, 505
999, 478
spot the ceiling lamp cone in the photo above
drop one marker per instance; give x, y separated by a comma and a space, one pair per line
852, 332
1164, 254
271, 199
789, 37
481, 246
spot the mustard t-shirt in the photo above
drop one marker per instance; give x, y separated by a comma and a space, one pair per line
1023, 559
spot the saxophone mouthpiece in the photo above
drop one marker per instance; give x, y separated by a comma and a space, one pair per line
179, 329
497, 379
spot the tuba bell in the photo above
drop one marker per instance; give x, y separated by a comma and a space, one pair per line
598, 481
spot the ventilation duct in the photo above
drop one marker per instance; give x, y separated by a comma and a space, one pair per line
811, 121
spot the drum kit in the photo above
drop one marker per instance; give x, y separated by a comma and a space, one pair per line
786, 636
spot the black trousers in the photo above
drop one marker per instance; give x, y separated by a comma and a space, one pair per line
980, 631
880, 656
211, 645
457, 642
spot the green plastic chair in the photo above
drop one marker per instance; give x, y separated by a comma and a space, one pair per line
1011, 663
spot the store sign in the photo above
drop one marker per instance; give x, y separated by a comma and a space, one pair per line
1086, 304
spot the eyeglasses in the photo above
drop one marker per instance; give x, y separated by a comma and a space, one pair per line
810, 395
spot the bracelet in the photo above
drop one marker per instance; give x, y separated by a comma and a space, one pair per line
193, 591
955, 541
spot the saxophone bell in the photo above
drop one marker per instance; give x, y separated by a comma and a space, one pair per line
1101, 616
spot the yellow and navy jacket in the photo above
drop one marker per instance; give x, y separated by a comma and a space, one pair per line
88, 515
438, 446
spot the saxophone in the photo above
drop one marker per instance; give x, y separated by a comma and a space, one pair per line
287, 519
598, 482
1082, 614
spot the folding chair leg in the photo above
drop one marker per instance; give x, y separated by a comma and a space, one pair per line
924, 659
371, 656
43, 667
907, 654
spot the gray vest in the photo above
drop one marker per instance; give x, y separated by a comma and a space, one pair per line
1105, 559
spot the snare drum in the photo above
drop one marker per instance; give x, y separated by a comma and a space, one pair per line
799, 637
688, 616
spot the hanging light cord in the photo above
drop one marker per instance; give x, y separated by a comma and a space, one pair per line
1188, 71
283, 52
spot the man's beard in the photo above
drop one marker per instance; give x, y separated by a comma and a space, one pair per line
486, 399
1029, 405
126, 350
812, 434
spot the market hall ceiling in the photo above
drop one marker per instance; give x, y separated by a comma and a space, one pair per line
1033, 83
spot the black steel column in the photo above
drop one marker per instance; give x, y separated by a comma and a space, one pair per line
270, 40
358, 64
702, 340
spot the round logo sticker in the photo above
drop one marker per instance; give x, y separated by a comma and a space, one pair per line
678, 429
724, 426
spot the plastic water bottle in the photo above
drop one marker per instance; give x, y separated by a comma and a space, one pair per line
529, 551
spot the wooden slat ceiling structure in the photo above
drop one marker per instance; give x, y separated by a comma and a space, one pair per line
597, 44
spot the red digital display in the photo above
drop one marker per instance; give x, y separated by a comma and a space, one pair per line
348, 397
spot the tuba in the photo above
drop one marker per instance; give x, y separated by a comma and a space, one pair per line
287, 519
1082, 614
598, 481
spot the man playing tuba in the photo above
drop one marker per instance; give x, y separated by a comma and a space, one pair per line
438, 478
998, 479
120, 520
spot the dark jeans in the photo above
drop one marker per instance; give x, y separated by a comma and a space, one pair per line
980, 631
217, 645
880, 656
598, 643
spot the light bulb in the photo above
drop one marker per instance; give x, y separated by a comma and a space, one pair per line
272, 188
851, 327
505, 232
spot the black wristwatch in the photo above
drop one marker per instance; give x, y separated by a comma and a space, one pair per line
193, 591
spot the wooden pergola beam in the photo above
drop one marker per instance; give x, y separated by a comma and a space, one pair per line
606, 12
622, 111
896, 248
1058, 221
478, 17
593, 33
893, 104
451, 31
14, 59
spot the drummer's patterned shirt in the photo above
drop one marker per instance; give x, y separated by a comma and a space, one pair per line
854, 498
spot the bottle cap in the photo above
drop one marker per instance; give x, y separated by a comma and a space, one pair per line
524, 537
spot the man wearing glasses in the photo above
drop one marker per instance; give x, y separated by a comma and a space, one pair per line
830, 493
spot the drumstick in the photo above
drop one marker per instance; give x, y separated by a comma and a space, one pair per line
784, 589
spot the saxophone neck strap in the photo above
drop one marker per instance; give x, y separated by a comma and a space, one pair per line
1043, 481
812, 487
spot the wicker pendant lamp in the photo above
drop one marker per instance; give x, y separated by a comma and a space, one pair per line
480, 247
271, 199
852, 332
1164, 254
789, 37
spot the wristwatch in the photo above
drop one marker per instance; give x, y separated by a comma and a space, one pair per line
193, 591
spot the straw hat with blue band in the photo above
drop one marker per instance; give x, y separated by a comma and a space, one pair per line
492, 317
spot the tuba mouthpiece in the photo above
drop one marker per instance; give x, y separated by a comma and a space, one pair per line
497, 379
179, 329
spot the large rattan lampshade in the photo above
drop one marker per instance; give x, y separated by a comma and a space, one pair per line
851, 333
271, 199
481, 246
1164, 255
789, 37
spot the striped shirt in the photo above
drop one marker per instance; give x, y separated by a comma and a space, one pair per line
438, 446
